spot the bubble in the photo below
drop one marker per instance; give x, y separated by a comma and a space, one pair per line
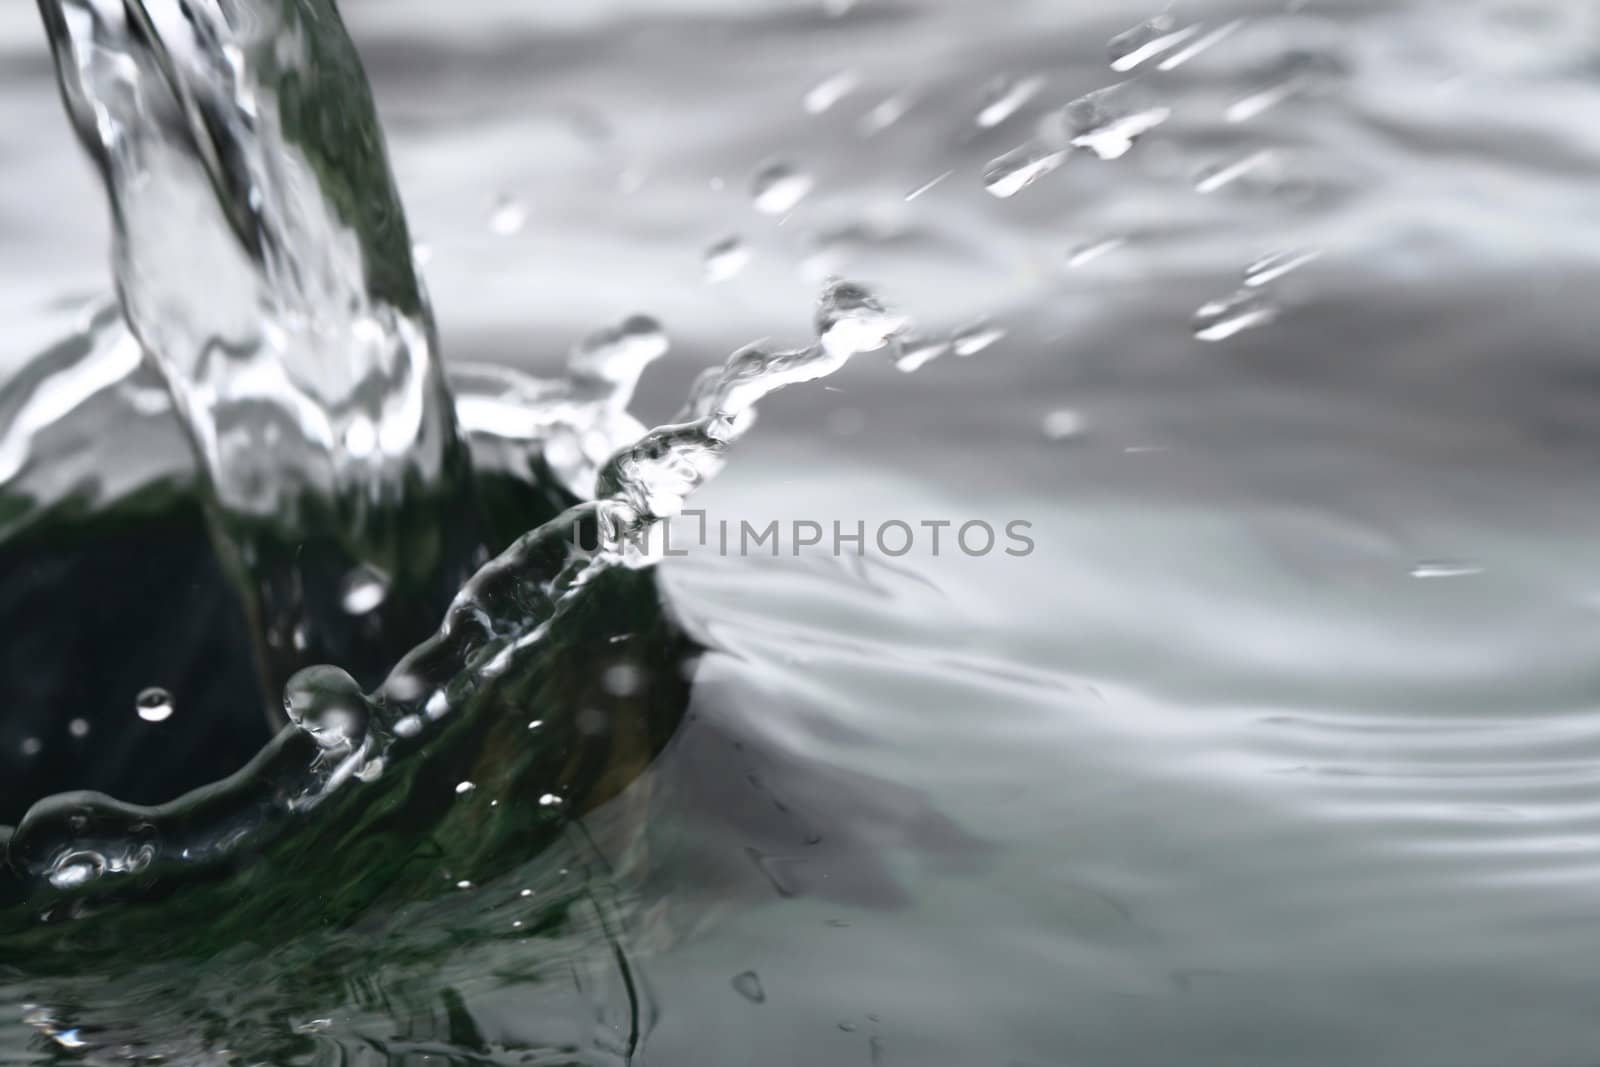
726, 259
1063, 424
78, 728
363, 589
154, 704
828, 92
510, 215
779, 187
1004, 97
748, 985
1019, 168
326, 703
974, 338
849, 319
1218, 320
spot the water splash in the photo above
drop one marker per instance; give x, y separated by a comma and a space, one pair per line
240, 145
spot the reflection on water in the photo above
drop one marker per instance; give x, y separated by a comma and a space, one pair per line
1276, 750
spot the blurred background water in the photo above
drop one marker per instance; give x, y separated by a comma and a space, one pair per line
1281, 746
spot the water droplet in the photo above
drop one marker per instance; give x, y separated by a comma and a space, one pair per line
509, 217
1013, 172
1188, 52
1063, 424
620, 354
327, 703
78, 728
1114, 138
549, 800
828, 92
972, 339
463, 788
1085, 254
1218, 320
748, 985
535, 724
848, 1027
885, 114
915, 353
1131, 48
1221, 175
622, 679
778, 188
364, 588
463, 884
421, 254
725, 259
927, 186
31, 746
849, 319
1446, 568
1005, 97
154, 704
1270, 268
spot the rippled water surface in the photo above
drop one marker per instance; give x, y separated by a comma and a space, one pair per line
1280, 747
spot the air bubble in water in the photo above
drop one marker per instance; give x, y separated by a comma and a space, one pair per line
972, 339
509, 217
1013, 172
1218, 320
830, 91
726, 259
364, 588
327, 703
154, 704
1004, 97
778, 188
748, 985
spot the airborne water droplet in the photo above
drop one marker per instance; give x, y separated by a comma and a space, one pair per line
1221, 175
726, 259
1446, 568
1270, 268
850, 320
748, 985
1063, 424
971, 340
1013, 172
917, 352
78, 728
1131, 48
364, 588
509, 217
1218, 320
778, 188
154, 704
1085, 254
830, 91
1005, 97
